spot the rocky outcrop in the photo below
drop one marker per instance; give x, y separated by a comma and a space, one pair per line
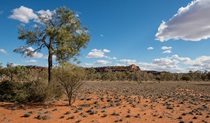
116, 68
38, 68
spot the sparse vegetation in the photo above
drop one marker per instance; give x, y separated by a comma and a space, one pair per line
27, 91
70, 77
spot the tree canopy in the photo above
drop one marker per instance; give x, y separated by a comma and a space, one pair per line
60, 31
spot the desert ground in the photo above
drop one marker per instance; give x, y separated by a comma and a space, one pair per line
125, 102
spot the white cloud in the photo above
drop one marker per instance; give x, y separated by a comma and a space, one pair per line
101, 35
102, 62
114, 58
35, 54
3, 51
77, 14
150, 48
23, 14
157, 67
31, 61
128, 61
166, 49
106, 51
162, 64
95, 53
45, 15
200, 63
190, 23
117, 64
176, 63
79, 31
54, 57
165, 62
182, 59
46, 57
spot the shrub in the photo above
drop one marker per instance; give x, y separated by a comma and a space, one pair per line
37, 91
41, 91
70, 78
28, 91
12, 91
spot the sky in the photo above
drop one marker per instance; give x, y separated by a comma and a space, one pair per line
161, 35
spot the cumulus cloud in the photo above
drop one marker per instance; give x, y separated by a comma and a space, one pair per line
150, 48
106, 51
162, 64
3, 51
165, 62
175, 63
118, 64
23, 14
102, 62
95, 53
35, 54
45, 15
181, 59
190, 23
157, 67
166, 49
200, 63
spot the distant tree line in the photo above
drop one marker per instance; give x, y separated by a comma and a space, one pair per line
140, 76
27, 73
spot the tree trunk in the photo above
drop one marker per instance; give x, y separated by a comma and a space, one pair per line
49, 66
70, 97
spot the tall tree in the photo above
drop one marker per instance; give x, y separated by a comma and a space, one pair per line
60, 32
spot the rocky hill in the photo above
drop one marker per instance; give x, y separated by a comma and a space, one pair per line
116, 68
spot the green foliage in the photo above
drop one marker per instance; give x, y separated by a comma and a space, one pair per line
62, 34
12, 91
22, 74
37, 91
166, 76
186, 78
28, 91
70, 77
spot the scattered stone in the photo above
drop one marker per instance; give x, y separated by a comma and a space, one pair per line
27, 114
71, 117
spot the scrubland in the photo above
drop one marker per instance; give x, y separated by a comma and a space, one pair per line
126, 102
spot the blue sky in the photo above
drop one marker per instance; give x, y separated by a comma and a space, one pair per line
153, 34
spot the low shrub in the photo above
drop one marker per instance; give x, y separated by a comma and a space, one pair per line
12, 91
28, 91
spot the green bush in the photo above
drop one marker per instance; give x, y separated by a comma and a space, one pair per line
41, 92
12, 91
28, 91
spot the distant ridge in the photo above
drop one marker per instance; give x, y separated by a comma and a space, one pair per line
115, 68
